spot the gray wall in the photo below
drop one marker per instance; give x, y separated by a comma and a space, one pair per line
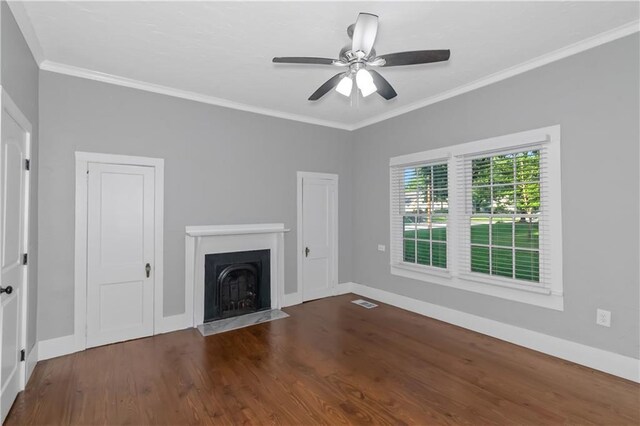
594, 97
221, 167
20, 81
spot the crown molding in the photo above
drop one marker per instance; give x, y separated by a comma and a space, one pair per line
192, 96
22, 18
586, 44
29, 34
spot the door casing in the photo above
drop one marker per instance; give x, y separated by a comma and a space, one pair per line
300, 237
12, 109
81, 230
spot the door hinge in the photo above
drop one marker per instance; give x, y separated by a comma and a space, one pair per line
27, 164
22, 355
25, 259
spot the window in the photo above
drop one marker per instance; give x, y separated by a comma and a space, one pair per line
504, 220
424, 206
482, 216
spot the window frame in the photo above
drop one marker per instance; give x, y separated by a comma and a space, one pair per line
549, 295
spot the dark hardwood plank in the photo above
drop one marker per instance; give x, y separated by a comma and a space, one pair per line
331, 362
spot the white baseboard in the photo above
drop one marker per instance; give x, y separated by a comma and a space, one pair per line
173, 323
344, 288
598, 359
56, 347
292, 299
32, 360
66, 345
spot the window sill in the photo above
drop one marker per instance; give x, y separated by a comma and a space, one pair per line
470, 282
421, 269
505, 283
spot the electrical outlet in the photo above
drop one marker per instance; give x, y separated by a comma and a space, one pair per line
381, 247
603, 318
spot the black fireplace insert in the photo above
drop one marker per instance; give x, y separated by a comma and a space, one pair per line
236, 283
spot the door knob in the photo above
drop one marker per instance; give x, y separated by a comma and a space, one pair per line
7, 289
147, 269
306, 252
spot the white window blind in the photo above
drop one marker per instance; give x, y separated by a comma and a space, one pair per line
420, 214
502, 217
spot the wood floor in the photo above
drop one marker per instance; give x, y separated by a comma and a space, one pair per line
331, 362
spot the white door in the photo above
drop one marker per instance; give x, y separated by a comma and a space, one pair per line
13, 223
319, 237
120, 253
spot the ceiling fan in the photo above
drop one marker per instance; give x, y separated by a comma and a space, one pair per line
360, 58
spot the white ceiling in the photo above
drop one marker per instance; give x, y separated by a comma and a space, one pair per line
224, 49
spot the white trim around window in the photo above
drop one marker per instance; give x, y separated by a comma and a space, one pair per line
547, 289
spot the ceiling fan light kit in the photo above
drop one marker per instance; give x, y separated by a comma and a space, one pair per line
345, 86
365, 82
360, 57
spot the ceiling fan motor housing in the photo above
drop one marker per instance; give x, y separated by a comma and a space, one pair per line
348, 55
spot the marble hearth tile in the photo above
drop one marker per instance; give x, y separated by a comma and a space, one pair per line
234, 323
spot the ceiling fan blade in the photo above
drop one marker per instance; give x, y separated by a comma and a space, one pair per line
415, 57
384, 88
326, 87
303, 60
364, 33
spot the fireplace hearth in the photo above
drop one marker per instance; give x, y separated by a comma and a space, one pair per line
236, 284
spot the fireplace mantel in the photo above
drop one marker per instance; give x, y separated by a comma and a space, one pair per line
210, 230
211, 239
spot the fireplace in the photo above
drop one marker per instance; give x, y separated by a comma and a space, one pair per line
202, 241
236, 283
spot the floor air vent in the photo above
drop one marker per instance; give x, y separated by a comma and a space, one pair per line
364, 303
